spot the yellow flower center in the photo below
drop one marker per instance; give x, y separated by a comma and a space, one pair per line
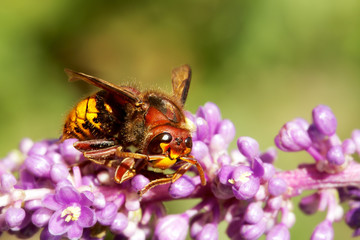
71, 213
245, 177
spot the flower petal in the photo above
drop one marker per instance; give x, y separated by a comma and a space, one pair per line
50, 202
57, 224
75, 232
66, 195
87, 217
86, 198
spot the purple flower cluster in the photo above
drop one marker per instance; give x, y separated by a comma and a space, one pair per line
49, 186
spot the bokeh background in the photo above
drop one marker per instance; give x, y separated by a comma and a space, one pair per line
262, 62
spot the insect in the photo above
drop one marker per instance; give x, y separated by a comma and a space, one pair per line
118, 119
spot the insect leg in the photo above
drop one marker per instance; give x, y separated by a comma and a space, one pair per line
121, 154
127, 169
154, 183
94, 144
198, 166
189, 162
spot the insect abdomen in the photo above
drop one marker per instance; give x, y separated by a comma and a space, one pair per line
92, 118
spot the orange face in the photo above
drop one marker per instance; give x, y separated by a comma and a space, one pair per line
170, 141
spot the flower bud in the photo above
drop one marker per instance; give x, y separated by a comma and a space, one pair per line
99, 200
280, 232
7, 182
119, 224
310, 204
107, 215
277, 186
269, 172
254, 213
269, 156
38, 148
315, 134
202, 130
245, 184
292, 137
25, 145
324, 120
248, 147
199, 150
227, 130
209, 232
38, 165
323, 231
335, 155
352, 218
348, 146
70, 154
355, 136
253, 231
172, 227
182, 187
274, 203
139, 182
59, 172
211, 113
14, 217
33, 205
41, 217
225, 174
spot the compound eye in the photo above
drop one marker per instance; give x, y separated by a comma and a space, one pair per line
154, 146
188, 142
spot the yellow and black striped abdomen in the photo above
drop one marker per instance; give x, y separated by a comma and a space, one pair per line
92, 118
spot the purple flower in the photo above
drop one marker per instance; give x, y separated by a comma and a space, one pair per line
324, 120
248, 147
269, 156
253, 231
254, 213
41, 217
310, 204
245, 184
59, 172
38, 165
227, 130
208, 232
7, 182
25, 145
244, 188
39, 148
335, 155
183, 187
323, 231
69, 153
14, 217
72, 211
139, 182
211, 113
348, 146
352, 218
280, 232
277, 186
355, 136
107, 215
172, 227
119, 223
292, 137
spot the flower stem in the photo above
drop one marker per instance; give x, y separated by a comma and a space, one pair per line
307, 177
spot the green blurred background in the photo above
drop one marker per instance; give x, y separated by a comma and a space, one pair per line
262, 62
